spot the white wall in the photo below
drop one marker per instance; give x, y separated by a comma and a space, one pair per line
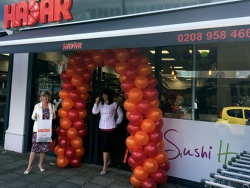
14, 136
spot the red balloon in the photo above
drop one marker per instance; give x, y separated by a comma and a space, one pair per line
61, 132
80, 105
159, 124
134, 60
122, 54
132, 129
160, 176
74, 95
80, 68
78, 57
62, 161
150, 93
87, 76
82, 132
135, 117
78, 124
76, 142
70, 70
111, 61
141, 138
141, 81
155, 136
134, 50
64, 76
67, 85
139, 155
63, 94
165, 166
144, 69
154, 113
62, 113
149, 183
130, 73
127, 84
63, 142
69, 152
75, 162
132, 163
143, 106
73, 114
152, 81
151, 149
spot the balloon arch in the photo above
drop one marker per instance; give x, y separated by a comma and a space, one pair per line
147, 159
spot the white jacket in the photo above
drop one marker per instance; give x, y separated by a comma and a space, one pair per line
107, 113
39, 110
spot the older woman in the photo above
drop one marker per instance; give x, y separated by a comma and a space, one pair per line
41, 110
107, 126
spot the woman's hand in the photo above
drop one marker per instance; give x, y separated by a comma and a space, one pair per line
97, 100
54, 116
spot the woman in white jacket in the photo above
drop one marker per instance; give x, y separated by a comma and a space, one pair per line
108, 123
41, 110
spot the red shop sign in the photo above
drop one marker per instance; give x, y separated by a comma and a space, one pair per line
28, 13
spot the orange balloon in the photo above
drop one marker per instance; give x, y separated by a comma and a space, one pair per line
79, 152
120, 67
84, 96
63, 94
155, 103
59, 151
82, 114
72, 133
122, 54
160, 145
62, 113
148, 125
144, 59
97, 57
71, 60
135, 95
154, 113
76, 142
70, 71
144, 69
161, 157
150, 165
84, 88
62, 161
130, 143
140, 173
67, 104
141, 81
91, 66
141, 138
135, 182
77, 80
65, 123
129, 105
121, 78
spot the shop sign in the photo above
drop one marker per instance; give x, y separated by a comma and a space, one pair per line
201, 147
72, 46
29, 13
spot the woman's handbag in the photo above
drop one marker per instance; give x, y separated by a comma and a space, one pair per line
44, 131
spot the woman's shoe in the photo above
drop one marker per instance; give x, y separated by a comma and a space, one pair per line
41, 169
26, 172
103, 172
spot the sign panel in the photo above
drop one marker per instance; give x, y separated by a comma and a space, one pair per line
196, 149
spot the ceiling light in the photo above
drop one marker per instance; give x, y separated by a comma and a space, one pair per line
207, 51
152, 67
6, 54
210, 72
172, 72
188, 79
168, 59
177, 67
163, 52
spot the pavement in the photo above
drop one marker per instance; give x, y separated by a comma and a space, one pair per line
13, 165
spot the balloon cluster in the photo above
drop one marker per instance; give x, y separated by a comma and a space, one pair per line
76, 78
148, 161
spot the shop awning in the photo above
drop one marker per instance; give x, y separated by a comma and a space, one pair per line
159, 29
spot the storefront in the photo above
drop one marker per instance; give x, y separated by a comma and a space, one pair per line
193, 87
